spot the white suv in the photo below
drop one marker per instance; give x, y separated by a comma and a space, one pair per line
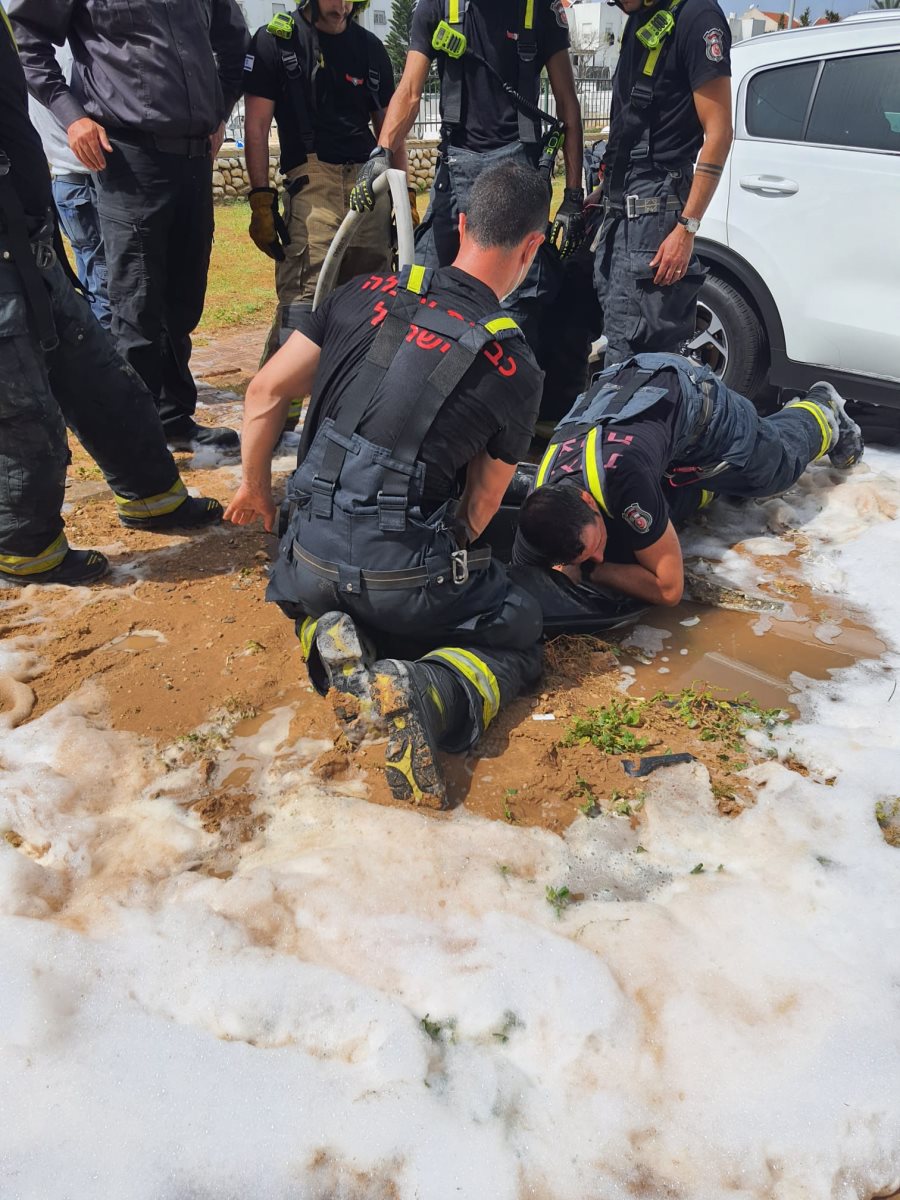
802, 239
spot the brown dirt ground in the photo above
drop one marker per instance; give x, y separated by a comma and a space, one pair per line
184, 636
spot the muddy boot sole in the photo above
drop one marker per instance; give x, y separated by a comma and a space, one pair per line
410, 761
346, 656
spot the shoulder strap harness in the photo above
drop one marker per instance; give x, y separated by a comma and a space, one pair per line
655, 37
409, 315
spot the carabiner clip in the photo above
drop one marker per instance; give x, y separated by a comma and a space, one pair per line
459, 565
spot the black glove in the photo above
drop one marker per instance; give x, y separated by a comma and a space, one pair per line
362, 196
567, 230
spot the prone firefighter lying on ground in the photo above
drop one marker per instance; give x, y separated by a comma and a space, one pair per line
424, 397
652, 440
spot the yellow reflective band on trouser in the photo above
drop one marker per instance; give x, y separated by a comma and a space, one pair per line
592, 471
295, 408
153, 506
529, 14
500, 323
706, 497
478, 673
305, 634
416, 275
25, 564
544, 468
821, 419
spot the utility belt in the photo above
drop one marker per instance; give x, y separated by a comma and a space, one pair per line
455, 569
637, 206
73, 178
182, 147
41, 245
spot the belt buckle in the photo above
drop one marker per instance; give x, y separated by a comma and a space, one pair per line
44, 255
631, 203
459, 566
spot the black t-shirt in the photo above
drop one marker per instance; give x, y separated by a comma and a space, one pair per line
700, 52
635, 456
489, 119
344, 102
494, 408
28, 170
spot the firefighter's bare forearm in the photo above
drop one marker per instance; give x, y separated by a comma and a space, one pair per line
257, 154
635, 580
264, 416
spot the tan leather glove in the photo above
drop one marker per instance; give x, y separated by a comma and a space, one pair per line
412, 206
267, 229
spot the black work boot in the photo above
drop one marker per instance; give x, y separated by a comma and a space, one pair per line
193, 513
416, 703
78, 568
848, 447
346, 654
193, 436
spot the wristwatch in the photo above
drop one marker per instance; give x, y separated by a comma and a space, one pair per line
691, 224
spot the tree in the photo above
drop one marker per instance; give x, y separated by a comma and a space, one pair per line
831, 16
782, 20
397, 41
804, 17
584, 42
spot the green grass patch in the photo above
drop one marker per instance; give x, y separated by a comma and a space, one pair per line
722, 721
610, 729
241, 285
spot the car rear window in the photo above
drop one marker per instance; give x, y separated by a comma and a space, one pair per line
858, 103
777, 101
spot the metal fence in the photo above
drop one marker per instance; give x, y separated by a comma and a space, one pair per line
594, 95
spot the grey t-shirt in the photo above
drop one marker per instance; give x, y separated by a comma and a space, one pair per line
60, 156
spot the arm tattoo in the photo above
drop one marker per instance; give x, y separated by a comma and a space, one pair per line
709, 169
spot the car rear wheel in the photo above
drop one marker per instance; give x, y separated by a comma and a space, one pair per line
730, 339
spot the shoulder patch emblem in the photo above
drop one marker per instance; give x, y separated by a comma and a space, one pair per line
715, 47
637, 518
248, 62
559, 8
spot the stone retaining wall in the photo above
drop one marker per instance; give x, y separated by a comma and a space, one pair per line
230, 171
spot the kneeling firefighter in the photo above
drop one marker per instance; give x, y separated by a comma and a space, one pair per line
420, 385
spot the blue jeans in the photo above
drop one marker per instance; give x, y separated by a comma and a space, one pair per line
76, 204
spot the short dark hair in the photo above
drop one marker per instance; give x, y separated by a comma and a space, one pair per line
506, 203
552, 520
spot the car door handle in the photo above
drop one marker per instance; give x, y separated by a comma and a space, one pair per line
769, 185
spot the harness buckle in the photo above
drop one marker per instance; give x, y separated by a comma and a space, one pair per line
631, 203
4, 163
44, 255
459, 566
323, 497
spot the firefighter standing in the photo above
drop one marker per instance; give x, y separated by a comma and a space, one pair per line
324, 79
58, 367
671, 99
490, 54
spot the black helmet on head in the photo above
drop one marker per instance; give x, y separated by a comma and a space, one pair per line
359, 7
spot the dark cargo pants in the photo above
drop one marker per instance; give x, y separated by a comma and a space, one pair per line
437, 237
84, 384
156, 212
640, 316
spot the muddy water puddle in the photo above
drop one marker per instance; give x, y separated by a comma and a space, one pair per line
755, 653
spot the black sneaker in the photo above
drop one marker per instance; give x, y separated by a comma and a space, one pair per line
405, 706
346, 654
78, 568
192, 513
849, 445
220, 437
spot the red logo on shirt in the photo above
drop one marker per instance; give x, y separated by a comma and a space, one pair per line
715, 49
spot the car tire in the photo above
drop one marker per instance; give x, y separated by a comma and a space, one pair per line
730, 338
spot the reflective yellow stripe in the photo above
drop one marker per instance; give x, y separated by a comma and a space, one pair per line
23, 564
305, 634
9, 27
544, 468
454, 12
416, 275
478, 673
827, 432
499, 323
153, 506
529, 14
592, 471
295, 408
706, 497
